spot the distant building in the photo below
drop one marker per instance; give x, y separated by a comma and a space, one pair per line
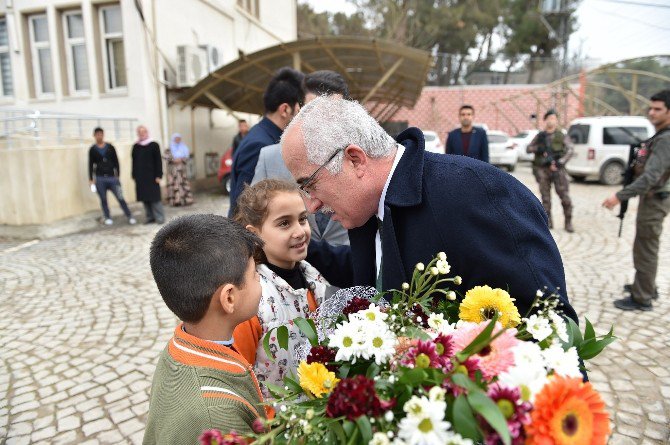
74, 60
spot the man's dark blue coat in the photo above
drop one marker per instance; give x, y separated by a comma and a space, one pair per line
492, 228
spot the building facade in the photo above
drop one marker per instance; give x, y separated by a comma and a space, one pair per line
125, 60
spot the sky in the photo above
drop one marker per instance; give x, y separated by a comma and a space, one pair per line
609, 30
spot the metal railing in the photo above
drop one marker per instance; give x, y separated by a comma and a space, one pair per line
19, 127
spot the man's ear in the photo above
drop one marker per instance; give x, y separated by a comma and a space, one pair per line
357, 158
226, 298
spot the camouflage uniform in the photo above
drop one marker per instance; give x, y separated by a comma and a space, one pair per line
553, 150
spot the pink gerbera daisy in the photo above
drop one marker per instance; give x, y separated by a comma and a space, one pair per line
515, 410
495, 358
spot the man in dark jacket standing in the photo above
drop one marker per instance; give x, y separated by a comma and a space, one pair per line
282, 100
147, 173
468, 140
403, 205
102, 161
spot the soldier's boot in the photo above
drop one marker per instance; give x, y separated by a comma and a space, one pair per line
567, 212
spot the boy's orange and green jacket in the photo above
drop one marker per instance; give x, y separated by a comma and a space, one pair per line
199, 385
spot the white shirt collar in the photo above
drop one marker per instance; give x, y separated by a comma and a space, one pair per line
380, 207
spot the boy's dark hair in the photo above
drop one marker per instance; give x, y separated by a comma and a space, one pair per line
550, 112
466, 107
193, 255
662, 96
242, 121
285, 87
326, 82
98, 130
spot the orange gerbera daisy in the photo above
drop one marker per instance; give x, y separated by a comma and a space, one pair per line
568, 412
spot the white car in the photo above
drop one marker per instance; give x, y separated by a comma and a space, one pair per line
501, 151
521, 141
433, 143
602, 145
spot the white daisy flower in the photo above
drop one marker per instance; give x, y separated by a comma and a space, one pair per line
436, 394
443, 266
427, 430
538, 327
564, 363
528, 372
349, 339
457, 439
559, 326
379, 439
372, 313
381, 344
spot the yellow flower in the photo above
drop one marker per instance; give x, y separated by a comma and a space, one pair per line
316, 379
481, 303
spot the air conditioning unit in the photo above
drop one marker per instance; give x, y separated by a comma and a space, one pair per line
192, 66
214, 58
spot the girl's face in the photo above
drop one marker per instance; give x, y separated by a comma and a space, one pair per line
285, 231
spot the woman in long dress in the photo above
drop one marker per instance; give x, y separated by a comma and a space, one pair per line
178, 187
147, 173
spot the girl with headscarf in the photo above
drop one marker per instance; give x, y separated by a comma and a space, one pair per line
147, 173
178, 187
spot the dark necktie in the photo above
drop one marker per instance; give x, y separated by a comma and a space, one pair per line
378, 283
321, 221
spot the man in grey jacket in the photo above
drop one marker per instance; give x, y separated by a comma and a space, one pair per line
271, 165
653, 188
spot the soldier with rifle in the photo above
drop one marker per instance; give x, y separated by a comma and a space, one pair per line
649, 171
552, 151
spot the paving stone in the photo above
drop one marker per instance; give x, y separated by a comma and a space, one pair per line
96, 426
68, 423
45, 433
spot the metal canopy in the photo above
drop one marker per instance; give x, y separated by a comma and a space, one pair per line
382, 74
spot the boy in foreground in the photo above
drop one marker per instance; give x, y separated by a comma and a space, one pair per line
204, 269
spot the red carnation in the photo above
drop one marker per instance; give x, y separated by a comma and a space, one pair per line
322, 354
356, 397
419, 316
356, 304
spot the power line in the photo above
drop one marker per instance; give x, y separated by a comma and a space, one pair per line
664, 28
627, 2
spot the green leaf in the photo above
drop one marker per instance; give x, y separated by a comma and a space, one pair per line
344, 370
306, 325
277, 391
480, 341
413, 377
464, 420
373, 370
282, 337
349, 427
589, 332
338, 432
575, 333
487, 408
416, 332
266, 345
464, 381
365, 428
292, 384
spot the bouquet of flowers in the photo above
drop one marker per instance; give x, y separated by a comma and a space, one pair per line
423, 367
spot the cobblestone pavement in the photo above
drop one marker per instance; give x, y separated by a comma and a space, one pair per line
86, 325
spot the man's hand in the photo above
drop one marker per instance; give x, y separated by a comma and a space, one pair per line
553, 167
91, 182
611, 202
158, 180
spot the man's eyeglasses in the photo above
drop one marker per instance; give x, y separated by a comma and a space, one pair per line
307, 183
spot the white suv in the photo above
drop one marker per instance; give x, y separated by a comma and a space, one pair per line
602, 145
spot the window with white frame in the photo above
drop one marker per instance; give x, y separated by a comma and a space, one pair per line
40, 50
113, 50
75, 52
6, 84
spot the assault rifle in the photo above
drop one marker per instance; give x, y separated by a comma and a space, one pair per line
628, 178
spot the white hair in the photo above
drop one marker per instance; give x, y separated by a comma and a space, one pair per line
330, 123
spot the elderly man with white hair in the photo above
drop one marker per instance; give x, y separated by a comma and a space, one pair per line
403, 205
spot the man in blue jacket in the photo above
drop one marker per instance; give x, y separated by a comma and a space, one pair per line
468, 140
281, 100
402, 205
